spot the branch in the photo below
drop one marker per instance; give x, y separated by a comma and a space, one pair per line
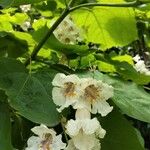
65, 13
47, 35
129, 4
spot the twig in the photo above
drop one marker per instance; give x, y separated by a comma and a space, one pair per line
66, 12
47, 35
129, 4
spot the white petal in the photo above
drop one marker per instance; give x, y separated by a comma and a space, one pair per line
90, 126
84, 142
59, 79
82, 104
97, 145
101, 132
58, 96
72, 78
85, 82
68, 102
73, 127
101, 107
106, 91
57, 143
33, 143
42, 130
136, 58
70, 146
82, 114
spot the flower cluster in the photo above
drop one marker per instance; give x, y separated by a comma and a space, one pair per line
86, 96
67, 32
140, 65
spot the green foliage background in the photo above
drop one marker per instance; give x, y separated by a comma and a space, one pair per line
25, 76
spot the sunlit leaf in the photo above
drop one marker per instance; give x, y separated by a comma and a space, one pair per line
107, 26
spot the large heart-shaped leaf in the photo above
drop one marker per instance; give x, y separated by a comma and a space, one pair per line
28, 96
107, 26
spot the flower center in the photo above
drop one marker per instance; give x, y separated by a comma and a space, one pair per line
45, 144
69, 89
91, 92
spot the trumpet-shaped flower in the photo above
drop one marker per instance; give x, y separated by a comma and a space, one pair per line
94, 96
84, 130
71, 146
46, 139
83, 123
65, 91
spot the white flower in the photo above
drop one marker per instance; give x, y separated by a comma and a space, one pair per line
67, 32
136, 58
25, 8
65, 92
83, 123
140, 65
71, 145
26, 25
85, 142
94, 96
84, 130
45, 140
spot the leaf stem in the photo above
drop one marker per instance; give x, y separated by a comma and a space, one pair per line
57, 67
129, 4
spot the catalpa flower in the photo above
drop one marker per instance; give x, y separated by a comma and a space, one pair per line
65, 92
83, 123
94, 96
81, 93
67, 32
46, 139
25, 8
84, 131
71, 145
140, 65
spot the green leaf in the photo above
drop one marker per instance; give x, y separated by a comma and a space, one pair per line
87, 60
5, 3
3, 96
120, 135
123, 67
132, 99
29, 97
9, 65
107, 26
45, 76
9, 47
128, 72
20, 131
22, 36
24, 2
5, 128
109, 67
